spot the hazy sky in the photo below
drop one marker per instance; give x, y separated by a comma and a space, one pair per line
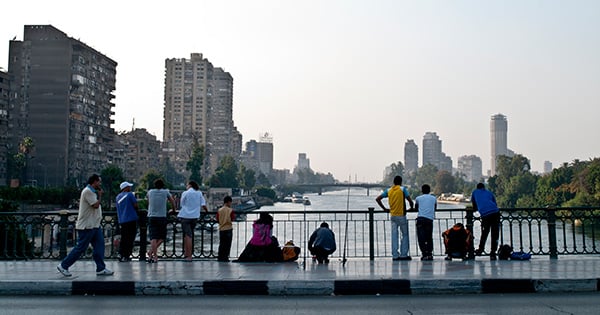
348, 82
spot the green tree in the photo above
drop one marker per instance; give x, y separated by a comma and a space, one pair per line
247, 178
147, 181
20, 160
111, 176
553, 189
395, 169
585, 184
226, 174
444, 183
171, 174
262, 180
426, 174
194, 165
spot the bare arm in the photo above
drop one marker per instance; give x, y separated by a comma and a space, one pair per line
410, 202
378, 199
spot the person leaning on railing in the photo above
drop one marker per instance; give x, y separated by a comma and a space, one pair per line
191, 202
485, 203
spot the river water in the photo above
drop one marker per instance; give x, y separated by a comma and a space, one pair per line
340, 209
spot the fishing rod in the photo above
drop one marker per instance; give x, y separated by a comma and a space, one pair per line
305, 237
346, 232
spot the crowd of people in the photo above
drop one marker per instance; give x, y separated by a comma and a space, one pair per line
263, 245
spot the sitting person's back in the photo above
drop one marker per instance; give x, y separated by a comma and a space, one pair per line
263, 246
261, 234
457, 241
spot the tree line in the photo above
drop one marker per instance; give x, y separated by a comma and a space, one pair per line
574, 184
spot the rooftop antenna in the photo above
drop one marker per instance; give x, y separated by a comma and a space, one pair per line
133, 124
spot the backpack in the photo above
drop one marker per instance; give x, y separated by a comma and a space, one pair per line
520, 256
290, 251
504, 252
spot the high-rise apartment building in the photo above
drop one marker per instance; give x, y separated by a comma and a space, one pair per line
63, 91
432, 152
499, 142
264, 150
411, 156
471, 167
4, 98
432, 149
141, 152
198, 110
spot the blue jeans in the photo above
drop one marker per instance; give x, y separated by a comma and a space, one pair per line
399, 222
85, 238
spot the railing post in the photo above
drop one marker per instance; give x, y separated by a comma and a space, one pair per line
469, 217
552, 233
63, 228
143, 224
371, 233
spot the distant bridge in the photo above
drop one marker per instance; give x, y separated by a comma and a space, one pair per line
319, 187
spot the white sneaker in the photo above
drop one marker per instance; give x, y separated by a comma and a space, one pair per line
62, 270
105, 272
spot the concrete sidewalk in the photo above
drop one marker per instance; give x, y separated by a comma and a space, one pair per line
357, 276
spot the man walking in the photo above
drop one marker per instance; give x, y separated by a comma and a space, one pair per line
396, 196
88, 229
484, 201
127, 208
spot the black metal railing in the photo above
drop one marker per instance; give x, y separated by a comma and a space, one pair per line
539, 231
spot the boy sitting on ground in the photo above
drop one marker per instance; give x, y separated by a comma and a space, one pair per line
457, 241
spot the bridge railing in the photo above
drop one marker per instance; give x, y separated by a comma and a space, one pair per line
359, 233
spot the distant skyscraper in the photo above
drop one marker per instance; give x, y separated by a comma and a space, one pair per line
498, 133
63, 100
199, 109
445, 163
432, 149
265, 153
4, 94
303, 162
471, 167
411, 156
547, 167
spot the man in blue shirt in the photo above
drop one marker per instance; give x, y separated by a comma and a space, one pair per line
485, 203
127, 214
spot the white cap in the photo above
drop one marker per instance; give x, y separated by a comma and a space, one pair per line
125, 184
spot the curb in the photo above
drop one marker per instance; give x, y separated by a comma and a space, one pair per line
298, 287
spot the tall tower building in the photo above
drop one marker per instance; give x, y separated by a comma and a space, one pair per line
63, 91
432, 149
198, 109
499, 145
411, 156
265, 153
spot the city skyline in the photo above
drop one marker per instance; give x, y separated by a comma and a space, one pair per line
350, 83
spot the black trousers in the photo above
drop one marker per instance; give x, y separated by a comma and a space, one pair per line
225, 238
128, 232
425, 235
490, 222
